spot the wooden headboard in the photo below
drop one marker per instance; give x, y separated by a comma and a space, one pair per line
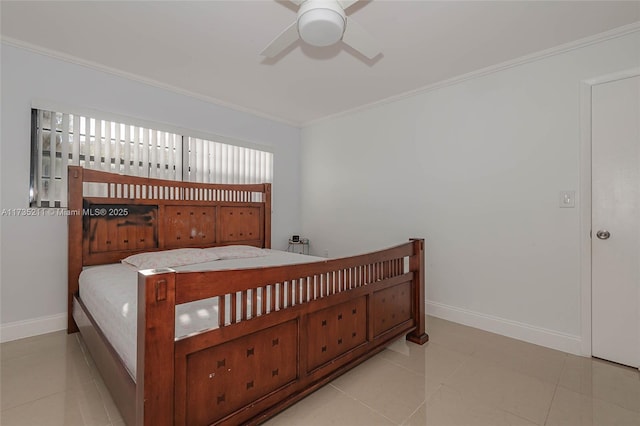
113, 216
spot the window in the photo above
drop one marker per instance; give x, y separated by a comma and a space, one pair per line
62, 139
215, 162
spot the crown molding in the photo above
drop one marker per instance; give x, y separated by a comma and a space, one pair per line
557, 50
140, 79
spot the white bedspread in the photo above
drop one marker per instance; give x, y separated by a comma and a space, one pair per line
110, 294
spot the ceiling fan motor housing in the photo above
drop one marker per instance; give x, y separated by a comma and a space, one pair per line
321, 22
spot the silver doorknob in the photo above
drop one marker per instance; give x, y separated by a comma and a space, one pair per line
603, 234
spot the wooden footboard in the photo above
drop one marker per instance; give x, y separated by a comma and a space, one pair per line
283, 331
299, 326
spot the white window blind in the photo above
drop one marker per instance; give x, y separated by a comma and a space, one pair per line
216, 162
62, 139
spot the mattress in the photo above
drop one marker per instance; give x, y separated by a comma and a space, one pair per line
109, 293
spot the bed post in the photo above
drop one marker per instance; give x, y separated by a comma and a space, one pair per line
155, 358
74, 240
416, 265
267, 215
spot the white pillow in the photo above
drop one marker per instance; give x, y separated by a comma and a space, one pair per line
236, 252
170, 258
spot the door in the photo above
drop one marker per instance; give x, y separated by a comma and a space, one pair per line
615, 223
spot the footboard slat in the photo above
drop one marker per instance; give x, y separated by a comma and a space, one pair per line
281, 292
272, 297
305, 289
292, 293
244, 314
234, 307
254, 303
222, 308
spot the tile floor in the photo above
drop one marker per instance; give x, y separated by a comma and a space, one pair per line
463, 376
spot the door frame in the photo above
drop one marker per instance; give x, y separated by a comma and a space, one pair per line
585, 201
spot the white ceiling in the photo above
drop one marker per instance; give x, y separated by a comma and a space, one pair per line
211, 48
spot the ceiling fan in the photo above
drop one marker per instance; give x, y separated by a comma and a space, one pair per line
323, 23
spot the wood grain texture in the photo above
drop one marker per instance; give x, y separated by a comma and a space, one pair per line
75, 243
416, 264
155, 356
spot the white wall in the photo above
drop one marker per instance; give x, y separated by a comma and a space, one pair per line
34, 249
475, 168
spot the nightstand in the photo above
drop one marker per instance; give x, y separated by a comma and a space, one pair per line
301, 246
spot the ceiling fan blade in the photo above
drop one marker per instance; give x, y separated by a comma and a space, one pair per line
358, 38
280, 43
346, 3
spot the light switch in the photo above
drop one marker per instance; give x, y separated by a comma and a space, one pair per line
567, 199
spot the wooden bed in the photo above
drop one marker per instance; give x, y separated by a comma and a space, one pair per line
340, 311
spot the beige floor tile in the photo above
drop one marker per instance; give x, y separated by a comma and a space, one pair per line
81, 406
574, 409
447, 407
537, 361
87, 356
463, 376
49, 343
533, 360
602, 380
490, 384
36, 375
391, 390
328, 406
418, 418
107, 401
457, 337
432, 360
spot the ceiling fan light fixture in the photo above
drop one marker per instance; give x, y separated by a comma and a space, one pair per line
323, 23
321, 27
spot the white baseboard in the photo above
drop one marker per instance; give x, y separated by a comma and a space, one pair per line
517, 330
536, 335
32, 327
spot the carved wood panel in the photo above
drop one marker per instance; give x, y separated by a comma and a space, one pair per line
113, 227
239, 224
226, 377
189, 226
391, 307
336, 330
